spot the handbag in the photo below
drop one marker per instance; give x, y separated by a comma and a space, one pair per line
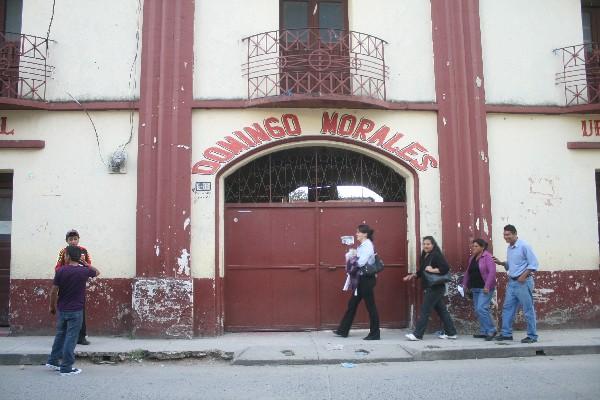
372, 269
436, 279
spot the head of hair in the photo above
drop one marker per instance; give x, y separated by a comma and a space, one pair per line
511, 228
436, 247
71, 233
74, 252
363, 228
482, 243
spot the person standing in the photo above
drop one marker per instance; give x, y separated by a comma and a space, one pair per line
68, 296
72, 238
432, 261
365, 254
520, 265
480, 279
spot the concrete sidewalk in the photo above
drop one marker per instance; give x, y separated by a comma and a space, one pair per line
316, 347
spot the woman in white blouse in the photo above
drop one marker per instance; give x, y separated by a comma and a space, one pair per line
365, 287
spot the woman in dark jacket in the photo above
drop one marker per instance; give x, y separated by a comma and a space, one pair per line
480, 278
433, 262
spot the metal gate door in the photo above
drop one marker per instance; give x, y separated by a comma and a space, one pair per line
284, 264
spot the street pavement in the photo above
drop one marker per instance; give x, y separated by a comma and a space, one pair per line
531, 378
296, 348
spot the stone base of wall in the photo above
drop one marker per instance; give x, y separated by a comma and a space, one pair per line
184, 308
163, 308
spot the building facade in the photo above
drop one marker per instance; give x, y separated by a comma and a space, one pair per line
213, 153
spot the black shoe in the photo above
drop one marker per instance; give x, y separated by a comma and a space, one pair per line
84, 342
480, 336
528, 340
491, 337
372, 337
502, 337
338, 333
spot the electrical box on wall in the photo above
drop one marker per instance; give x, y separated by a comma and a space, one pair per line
117, 162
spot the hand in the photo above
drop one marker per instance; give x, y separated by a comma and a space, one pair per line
408, 277
497, 261
52, 310
429, 269
522, 278
486, 290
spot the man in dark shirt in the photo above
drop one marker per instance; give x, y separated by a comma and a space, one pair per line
69, 292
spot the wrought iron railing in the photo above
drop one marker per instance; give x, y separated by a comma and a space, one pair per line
580, 75
23, 66
315, 62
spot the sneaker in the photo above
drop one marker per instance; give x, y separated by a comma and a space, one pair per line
528, 340
338, 333
480, 336
444, 336
502, 337
52, 367
491, 337
84, 342
73, 371
412, 337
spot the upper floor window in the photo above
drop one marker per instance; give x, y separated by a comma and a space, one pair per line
324, 14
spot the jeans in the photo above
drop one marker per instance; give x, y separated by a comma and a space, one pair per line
518, 293
481, 305
68, 324
366, 284
433, 299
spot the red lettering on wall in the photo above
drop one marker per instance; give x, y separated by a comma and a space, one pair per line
3, 127
276, 132
218, 155
257, 133
329, 124
411, 152
347, 125
364, 126
584, 130
205, 167
291, 123
389, 145
379, 136
233, 145
240, 135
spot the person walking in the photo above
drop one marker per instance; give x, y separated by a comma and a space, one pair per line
520, 265
68, 296
365, 286
480, 279
433, 262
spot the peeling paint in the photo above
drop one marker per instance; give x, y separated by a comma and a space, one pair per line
183, 146
445, 121
186, 223
184, 263
157, 249
478, 82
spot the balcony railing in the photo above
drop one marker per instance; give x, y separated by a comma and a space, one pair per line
315, 62
580, 75
23, 66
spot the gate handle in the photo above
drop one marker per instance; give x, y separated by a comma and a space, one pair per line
332, 267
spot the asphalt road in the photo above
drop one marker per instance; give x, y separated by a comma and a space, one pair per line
564, 378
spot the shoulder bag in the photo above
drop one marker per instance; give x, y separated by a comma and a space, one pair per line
372, 269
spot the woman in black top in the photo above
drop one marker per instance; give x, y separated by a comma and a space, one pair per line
432, 261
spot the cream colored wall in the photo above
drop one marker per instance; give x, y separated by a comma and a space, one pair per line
211, 126
518, 39
406, 26
94, 47
547, 191
65, 185
219, 52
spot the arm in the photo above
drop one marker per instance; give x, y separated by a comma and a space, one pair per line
60, 259
491, 274
465, 281
532, 263
438, 265
365, 252
503, 263
87, 257
53, 299
93, 271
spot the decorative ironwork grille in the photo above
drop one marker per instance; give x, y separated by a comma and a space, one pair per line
580, 75
315, 61
23, 66
312, 174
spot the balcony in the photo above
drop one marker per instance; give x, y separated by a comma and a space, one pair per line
23, 66
325, 64
580, 75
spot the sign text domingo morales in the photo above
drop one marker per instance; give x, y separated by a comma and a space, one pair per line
346, 125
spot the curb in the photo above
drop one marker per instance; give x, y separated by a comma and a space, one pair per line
246, 358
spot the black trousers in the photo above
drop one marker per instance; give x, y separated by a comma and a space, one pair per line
365, 290
82, 331
433, 299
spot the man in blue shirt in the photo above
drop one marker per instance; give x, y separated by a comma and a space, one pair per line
520, 264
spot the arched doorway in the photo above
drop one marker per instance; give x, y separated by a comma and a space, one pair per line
284, 217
